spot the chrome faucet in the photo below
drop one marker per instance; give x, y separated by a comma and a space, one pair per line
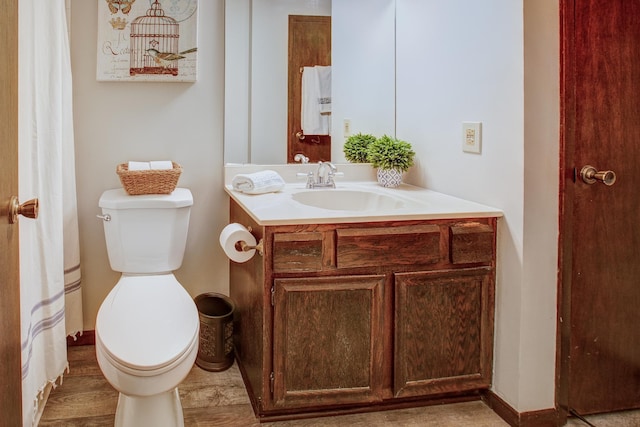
323, 178
324, 175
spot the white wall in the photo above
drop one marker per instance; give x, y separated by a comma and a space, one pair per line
541, 210
117, 122
447, 74
463, 60
457, 60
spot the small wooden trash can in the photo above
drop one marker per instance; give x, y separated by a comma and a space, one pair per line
215, 350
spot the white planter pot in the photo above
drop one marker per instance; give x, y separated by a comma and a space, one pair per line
389, 177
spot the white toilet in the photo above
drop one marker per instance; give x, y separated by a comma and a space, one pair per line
147, 327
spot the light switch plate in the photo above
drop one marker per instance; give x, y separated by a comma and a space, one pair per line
472, 137
347, 128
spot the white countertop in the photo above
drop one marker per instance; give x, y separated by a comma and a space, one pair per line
414, 203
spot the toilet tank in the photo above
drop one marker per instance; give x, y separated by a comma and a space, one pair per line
146, 234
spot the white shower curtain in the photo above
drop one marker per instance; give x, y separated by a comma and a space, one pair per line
50, 293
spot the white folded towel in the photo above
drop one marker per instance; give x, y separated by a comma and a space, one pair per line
138, 166
266, 181
161, 164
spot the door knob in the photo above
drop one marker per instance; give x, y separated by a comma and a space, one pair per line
590, 175
28, 209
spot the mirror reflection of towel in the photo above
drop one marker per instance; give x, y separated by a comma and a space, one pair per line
316, 100
324, 82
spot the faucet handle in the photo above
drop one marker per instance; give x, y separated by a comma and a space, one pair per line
330, 181
306, 175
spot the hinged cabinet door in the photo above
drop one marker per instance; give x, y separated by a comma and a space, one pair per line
325, 351
443, 331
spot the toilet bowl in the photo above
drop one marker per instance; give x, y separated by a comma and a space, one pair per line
147, 327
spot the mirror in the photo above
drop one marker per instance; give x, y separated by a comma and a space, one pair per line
256, 49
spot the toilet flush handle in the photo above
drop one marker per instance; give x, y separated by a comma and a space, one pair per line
106, 217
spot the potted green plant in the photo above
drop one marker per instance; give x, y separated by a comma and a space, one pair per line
392, 157
355, 147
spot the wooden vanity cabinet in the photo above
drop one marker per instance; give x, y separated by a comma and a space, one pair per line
354, 316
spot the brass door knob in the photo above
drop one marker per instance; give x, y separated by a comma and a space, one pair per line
591, 175
27, 209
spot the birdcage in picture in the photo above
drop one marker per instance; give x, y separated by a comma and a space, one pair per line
154, 43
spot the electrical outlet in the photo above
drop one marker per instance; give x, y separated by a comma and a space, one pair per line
471, 137
347, 128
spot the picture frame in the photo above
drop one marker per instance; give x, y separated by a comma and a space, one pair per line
147, 40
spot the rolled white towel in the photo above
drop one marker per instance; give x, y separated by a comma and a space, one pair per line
138, 166
161, 164
266, 181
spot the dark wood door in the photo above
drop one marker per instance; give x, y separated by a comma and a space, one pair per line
601, 224
10, 367
325, 346
309, 45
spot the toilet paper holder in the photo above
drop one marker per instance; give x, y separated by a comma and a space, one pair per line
243, 246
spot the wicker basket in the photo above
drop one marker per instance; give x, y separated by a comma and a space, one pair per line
154, 181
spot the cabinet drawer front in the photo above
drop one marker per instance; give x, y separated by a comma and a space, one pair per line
471, 243
385, 246
300, 251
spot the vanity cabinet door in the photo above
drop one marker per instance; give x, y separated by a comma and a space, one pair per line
325, 350
443, 331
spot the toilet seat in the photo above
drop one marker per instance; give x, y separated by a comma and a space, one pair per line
126, 367
147, 324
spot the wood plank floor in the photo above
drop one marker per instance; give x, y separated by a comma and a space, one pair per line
210, 399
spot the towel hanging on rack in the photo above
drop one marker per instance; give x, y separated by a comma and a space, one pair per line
324, 83
316, 100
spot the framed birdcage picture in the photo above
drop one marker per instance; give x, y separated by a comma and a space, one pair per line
147, 40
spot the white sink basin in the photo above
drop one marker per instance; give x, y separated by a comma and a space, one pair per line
348, 200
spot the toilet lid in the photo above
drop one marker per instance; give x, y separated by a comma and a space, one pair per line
147, 322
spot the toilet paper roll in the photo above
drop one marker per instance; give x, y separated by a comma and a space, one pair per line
232, 234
